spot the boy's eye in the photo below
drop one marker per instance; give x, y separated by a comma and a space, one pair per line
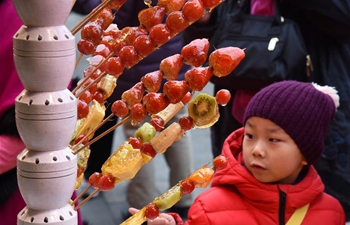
249, 136
273, 140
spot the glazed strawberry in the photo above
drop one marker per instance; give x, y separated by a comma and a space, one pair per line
114, 66
152, 81
192, 10
171, 5
176, 22
128, 56
224, 60
159, 34
211, 3
137, 113
175, 90
155, 102
112, 30
119, 108
102, 49
151, 16
198, 77
144, 45
106, 17
195, 53
171, 66
133, 95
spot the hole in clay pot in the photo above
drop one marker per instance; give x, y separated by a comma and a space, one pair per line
66, 36
20, 98
61, 218
71, 98
27, 38
54, 158
32, 219
23, 157
23, 212
47, 102
60, 99
46, 220
70, 213
17, 35
67, 157
40, 38
55, 37
37, 161
30, 101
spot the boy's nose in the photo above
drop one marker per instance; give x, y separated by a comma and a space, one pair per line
258, 151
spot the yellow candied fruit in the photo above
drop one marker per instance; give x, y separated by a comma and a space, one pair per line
124, 163
202, 177
168, 198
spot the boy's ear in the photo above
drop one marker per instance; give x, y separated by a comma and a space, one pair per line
304, 162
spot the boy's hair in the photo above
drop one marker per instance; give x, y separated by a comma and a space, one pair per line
303, 110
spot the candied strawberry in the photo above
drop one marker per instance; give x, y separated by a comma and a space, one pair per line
151, 16
171, 66
159, 34
198, 77
193, 10
224, 60
155, 102
175, 90
211, 3
152, 81
176, 22
133, 95
196, 52
171, 5
144, 45
128, 56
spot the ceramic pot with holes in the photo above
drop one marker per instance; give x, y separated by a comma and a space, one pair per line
44, 57
46, 179
43, 13
46, 120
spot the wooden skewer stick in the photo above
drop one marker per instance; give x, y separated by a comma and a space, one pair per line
81, 194
77, 95
104, 133
78, 60
92, 131
87, 199
86, 19
92, 72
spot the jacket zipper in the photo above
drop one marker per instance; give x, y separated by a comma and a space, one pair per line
282, 208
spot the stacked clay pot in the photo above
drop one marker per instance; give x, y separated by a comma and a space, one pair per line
46, 111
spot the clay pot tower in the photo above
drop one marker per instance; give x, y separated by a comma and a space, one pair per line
46, 111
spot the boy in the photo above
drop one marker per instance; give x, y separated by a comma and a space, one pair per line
270, 174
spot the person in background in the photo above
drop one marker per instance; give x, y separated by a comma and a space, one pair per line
326, 30
141, 189
11, 201
270, 175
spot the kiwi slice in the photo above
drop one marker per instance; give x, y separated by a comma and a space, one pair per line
204, 111
168, 198
146, 132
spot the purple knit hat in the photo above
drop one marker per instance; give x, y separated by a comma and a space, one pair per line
303, 110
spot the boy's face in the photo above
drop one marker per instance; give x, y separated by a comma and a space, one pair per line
269, 153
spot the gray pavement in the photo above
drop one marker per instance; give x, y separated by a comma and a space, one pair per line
107, 207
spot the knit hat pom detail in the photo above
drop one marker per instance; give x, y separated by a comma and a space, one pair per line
331, 91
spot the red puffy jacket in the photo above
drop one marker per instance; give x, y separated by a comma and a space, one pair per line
237, 198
